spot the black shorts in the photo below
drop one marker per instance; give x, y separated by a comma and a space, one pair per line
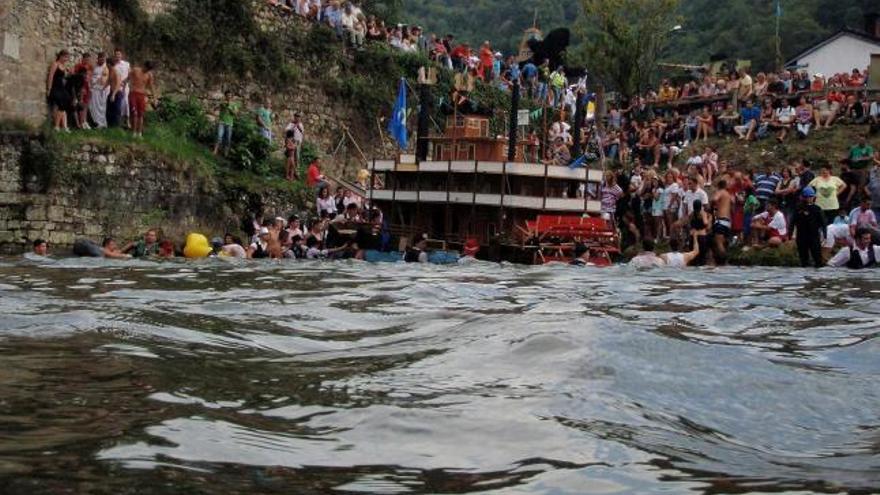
722, 227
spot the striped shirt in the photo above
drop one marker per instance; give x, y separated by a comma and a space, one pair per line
765, 186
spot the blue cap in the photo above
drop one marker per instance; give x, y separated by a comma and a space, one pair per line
808, 192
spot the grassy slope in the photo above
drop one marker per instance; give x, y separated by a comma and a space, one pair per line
822, 146
158, 141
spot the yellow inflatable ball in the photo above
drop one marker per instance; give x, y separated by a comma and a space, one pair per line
197, 246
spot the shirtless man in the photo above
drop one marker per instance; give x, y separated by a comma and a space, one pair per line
111, 249
114, 97
141, 80
723, 202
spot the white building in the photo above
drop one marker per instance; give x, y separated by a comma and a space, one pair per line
843, 51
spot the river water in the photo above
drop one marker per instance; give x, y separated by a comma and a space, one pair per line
135, 377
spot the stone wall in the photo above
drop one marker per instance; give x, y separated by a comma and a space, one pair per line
31, 33
92, 191
97, 192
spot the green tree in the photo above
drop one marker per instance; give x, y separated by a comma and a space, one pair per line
388, 10
624, 39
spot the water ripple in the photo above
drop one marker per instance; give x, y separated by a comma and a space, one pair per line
351, 377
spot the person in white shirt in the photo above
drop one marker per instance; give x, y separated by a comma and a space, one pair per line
677, 259
100, 90
783, 118
864, 254
647, 258
352, 28
864, 217
770, 226
123, 69
349, 198
874, 114
836, 234
326, 204
561, 129
299, 132
693, 193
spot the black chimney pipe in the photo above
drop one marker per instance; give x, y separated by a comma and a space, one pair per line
578, 123
425, 104
872, 24
513, 135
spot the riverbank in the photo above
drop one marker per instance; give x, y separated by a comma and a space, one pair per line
105, 183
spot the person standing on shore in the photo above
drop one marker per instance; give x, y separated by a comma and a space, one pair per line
84, 69
298, 136
809, 227
114, 96
98, 84
123, 69
56, 91
225, 122
264, 118
722, 229
828, 187
141, 86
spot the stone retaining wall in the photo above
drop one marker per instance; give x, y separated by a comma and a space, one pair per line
94, 191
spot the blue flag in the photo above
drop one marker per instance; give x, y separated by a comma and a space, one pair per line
397, 124
778, 8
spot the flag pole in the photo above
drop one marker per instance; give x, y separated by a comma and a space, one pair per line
778, 40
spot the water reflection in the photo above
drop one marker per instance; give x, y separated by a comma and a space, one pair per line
352, 377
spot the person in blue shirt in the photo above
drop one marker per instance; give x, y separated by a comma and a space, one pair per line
530, 78
751, 115
765, 185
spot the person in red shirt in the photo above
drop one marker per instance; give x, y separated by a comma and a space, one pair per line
738, 188
460, 55
835, 96
857, 80
818, 83
314, 177
84, 69
487, 59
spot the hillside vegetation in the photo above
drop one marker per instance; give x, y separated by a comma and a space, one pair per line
742, 29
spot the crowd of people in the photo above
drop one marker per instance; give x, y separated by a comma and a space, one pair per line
345, 235
657, 141
99, 92
764, 207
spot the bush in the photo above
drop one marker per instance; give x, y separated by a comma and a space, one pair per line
188, 117
250, 151
309, 153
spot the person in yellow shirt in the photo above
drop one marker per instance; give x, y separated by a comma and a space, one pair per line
828, 187
746, 86
668, 91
